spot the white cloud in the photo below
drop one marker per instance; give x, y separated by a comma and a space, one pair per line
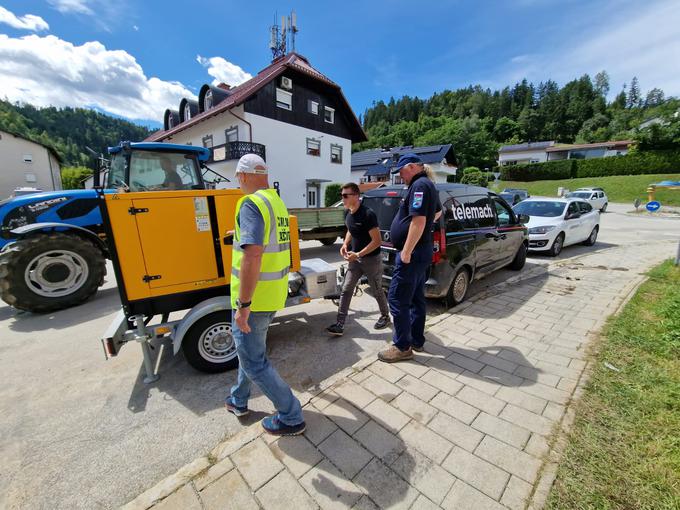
223, 71
135, 28
72, 6
27, 22
634, 42
49, 71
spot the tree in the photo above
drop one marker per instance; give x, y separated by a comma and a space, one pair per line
333, 192
74, 177
634, 94
654, 98
602, 83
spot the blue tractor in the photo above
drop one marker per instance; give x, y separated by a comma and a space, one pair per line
53, 249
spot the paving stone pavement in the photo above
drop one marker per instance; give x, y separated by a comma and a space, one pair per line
467, 424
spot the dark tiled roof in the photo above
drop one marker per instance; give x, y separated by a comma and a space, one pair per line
376, 157
238, 95
530, 146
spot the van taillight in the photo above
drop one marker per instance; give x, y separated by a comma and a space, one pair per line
439, 242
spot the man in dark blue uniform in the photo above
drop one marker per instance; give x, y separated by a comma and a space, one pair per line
411, 235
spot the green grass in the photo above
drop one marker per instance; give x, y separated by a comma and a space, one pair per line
619, 188
624, 449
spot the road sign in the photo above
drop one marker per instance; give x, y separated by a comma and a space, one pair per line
653, 206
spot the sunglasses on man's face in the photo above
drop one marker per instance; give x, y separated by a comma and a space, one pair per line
346, 195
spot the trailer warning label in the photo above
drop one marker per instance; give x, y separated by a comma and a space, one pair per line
201, 213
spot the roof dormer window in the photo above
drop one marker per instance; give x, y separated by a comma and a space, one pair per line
208, 101
171, 122
187, 112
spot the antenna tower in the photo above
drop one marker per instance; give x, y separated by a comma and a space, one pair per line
281, 37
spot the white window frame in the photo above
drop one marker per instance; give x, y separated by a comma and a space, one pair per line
328, 109
338, 148
187, 112
28, 158
231, 130
281, 97
313, 107
313, 142
206, 139
208, 100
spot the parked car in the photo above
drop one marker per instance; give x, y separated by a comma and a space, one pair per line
523, 193
477, 234
511, 198
558, 222
594, 196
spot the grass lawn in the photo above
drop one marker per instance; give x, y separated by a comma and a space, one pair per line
619, 188
624, 448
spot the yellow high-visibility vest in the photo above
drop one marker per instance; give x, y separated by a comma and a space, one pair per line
272, 285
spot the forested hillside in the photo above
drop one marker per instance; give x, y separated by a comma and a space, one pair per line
69, 130
477, 121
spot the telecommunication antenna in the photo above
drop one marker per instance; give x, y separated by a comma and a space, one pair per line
279, 35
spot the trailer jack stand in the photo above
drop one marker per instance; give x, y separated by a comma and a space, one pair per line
143, 338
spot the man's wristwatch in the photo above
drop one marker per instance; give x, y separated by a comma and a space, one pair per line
240, 304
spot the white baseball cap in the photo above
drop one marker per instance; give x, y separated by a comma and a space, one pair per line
251, 164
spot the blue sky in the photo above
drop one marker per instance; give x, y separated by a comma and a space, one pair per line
136, 58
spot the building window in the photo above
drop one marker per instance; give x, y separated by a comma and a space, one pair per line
329, 114
336, 153
284, 99
231, 134
313, 107
208, 100
187, 112
28, 158
208, 141
171, 122
313, 147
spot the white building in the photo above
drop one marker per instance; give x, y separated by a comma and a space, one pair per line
27, 164
296, 118
539, 152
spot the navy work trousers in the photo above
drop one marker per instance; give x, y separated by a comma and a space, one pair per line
406, 298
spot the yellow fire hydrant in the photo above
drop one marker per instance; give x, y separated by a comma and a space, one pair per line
651, 189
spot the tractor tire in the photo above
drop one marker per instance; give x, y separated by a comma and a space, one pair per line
209, 344
49, 272
328, 241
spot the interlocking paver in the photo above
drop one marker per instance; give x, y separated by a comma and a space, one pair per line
346, 416
388, 372
184, 499
385, 487
345, 453
442, 382
465, 362
388, 416
537, 446
422, 503
425, 475
479, 382
216, 471
414, 407
465, 497
501, 429
479, 473
414, 367
429, 443
283, 491
527, 419
329, 487
256, 463
381, 388
418, 387
240, 496
455, 408
318, 426
480, 400
365, 503
298, 454
380, 442
519, 398
509, 458
456, 431
516, 494
554, 411
355, 394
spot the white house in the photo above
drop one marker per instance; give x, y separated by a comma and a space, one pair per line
374, 165
539, 152
521, 153
296, 118
27, 164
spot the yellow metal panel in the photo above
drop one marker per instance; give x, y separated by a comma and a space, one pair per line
225, 206
294, 244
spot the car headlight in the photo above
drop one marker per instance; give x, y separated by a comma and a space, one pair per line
541, 230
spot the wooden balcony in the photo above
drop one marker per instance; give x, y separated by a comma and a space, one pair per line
234, 150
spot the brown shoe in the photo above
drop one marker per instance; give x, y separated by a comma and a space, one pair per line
419, 348
393, 354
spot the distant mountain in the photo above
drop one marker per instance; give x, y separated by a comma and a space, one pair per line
69, 130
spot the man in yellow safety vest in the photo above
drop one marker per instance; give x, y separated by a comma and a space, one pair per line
259, 287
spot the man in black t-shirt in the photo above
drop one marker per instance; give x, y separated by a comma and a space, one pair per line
412, 237
361, 249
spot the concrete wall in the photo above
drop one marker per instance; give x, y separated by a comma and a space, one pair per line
522, 157
43, 171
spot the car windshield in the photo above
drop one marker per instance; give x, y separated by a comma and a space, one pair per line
507, 197
580, 194
545, 208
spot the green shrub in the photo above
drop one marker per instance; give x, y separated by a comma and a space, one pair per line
471, 170
638, 163
550, 170
475, 178
333, 192
73, 177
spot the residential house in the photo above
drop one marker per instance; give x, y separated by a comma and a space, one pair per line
375, 165
539, 152
291, 114
27, 164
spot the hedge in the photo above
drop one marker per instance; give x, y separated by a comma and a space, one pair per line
548, 171
638, 163
332, 195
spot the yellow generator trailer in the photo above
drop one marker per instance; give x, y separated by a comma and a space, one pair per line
171, 251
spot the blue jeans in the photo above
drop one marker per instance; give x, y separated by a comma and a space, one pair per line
255, 367
406, 298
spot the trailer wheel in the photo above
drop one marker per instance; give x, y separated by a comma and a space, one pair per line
48, 272
327, 241
209, 344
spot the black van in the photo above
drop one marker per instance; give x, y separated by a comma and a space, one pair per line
477, 234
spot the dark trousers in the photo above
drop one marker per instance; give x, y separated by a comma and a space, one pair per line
407, 301
372, 267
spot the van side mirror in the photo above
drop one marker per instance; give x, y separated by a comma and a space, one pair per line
572, 216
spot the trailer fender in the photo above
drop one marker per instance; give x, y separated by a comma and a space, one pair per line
27, 230
199, 311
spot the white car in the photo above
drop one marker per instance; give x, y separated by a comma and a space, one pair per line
594, 196
558, 222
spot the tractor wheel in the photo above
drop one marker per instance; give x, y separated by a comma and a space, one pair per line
48, 272
209, 344
327, 241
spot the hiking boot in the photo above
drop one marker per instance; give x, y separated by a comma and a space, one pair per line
393, 354
336, 329
418, 348
383, 322
234, 409
276, 427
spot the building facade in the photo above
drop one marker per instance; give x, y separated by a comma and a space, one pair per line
539, 152
293, 116
375, 165
27, 164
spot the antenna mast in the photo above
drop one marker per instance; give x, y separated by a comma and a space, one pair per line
279, 36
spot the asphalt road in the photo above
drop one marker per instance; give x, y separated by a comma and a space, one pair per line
81, 432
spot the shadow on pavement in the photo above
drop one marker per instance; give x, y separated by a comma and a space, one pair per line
573, 251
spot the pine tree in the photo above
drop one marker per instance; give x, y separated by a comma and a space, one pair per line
634, 94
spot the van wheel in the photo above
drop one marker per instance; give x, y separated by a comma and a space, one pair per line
327, 241
520, 258
458, 289
592, 238
557, 245
209, 344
